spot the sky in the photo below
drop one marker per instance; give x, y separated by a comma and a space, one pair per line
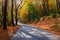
18, 1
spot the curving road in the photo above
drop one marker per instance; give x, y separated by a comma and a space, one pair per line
26, 32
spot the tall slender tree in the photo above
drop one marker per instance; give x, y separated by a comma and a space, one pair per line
45, 7
16, 10
4, 11
12, 19
1, 2
57, 4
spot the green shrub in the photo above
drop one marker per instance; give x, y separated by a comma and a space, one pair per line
32, 14
53, 15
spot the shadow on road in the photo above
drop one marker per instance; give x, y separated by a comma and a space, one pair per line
30, 33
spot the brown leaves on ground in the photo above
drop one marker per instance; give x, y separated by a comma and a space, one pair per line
12, 29
49, 24
6, 34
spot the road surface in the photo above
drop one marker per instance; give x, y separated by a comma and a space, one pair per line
27, 32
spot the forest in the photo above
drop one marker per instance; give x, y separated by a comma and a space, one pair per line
42, 14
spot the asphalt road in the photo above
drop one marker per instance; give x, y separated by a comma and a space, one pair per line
26, 32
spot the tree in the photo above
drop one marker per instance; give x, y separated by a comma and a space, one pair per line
57, 4
4, 12
12, 19
16, 10
1, 2
45, 7
31, 13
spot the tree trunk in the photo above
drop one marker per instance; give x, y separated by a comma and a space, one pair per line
1, 15
57, 3
45, 7
16, 11
16, 16
4, 12
12, 19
